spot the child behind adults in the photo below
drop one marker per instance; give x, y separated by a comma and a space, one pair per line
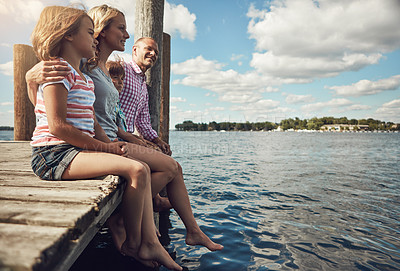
117, 74
63, 142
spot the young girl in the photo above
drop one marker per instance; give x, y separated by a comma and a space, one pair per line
63, 142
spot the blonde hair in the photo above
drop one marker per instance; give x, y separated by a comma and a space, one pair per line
102, 17
55, 22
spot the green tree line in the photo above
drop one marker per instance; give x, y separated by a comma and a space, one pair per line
286, 124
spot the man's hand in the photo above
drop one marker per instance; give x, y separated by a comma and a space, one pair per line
166, 149
137, 140
152, 145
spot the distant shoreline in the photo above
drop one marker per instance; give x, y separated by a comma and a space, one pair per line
6, 128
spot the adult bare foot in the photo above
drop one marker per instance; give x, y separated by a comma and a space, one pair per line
133, 252
115, 224
197, 237
156, 252
161, 203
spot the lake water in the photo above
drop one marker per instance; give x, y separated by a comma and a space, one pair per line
291, 201
282, 201
6, 135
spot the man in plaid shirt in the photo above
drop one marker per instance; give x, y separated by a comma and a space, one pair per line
134, 96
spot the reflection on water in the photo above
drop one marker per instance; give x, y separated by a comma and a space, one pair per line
284, 201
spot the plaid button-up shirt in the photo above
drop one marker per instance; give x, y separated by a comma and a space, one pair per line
134, 100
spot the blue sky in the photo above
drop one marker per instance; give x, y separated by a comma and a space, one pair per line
241, 60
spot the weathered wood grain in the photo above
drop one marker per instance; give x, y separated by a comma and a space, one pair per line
45, 225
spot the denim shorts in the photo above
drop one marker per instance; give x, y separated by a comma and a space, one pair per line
50, 162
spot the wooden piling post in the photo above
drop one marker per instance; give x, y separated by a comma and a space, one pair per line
165, 78
24, 116
149, 16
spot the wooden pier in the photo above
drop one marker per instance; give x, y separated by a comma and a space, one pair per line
45, 225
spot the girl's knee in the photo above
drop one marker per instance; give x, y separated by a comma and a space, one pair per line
140, 175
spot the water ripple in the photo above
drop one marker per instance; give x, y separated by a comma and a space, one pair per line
291, 201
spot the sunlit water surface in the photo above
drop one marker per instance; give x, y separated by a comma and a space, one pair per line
291, 201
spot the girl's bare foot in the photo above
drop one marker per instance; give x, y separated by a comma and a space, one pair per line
198, 237
132, 252
156, 252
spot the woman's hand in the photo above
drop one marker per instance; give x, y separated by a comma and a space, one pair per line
117, 147
47, 71
43, 72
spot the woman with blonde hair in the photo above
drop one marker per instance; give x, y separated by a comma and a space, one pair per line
63, 142
110, 31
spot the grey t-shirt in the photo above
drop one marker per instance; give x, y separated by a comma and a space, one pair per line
107, 97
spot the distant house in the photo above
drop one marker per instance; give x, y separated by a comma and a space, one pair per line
395, 126
344, 127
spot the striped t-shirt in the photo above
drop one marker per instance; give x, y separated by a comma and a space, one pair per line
80, 111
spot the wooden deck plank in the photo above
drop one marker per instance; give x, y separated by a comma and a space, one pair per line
27, 247
29, 179
45, 225
15, 155
38, 194
43, 213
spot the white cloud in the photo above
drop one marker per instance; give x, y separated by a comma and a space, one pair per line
217, 108
297, 99
334, 103
240, 96
195, 66
287, 66
333, 106
389, 111
7, 68
229, 84
6, 103
197, 116
310, 39
367, 87
235, 57
177, 18
24, 11
262, 110
177, 100
265, 105
356, 107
